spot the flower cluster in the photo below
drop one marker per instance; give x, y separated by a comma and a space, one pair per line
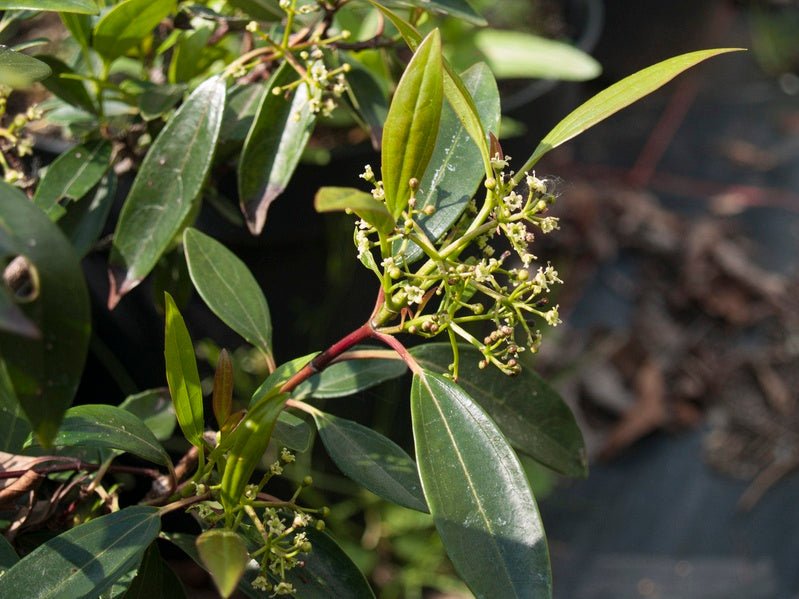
16, 143
480, 270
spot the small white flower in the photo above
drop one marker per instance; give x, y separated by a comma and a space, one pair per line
286, 456
552, 317
548, 224
415, 294
513, 201
378, 193
260, 583
535, 184
276, 469
367, 174
285, 588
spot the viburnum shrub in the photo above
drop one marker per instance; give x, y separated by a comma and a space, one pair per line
446, 223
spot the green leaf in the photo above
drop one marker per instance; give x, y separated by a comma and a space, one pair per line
167, 187
155, 579
127, 24
14, 427
348, 377
18, 70
451, 180
182, 376
154, 408
79, 6
240, 110
411, 128
292, 432
85, 560
45, 372
337, 199
84, 221
369, 99
371, 460
280, 376
248, 442
80, 26
228, 288
516, 54
455, 8
157, 100
71, 176
8, 557
13, 319
529, 412
618, 96
72, 91
274, 145
225, 556
222, 396
478, 494
262, 10
454, 89
110, 427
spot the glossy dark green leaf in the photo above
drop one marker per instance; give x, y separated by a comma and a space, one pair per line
240, 109
167, 187
328, 572
154, 408
618, 96
348, 377
8, 557
18, 70
371, 460
292, 432
248, 442
45, 372
84, 221
454, 89
228, 287
71, 176
369, 99
77, 6
451, 179
280, 376
85, 560
154, 579
339, 199
13, 319
110, 427
274, 145
411, 128
182, 375
14, 427
478, 494
157, 100
529, 412
224, 555
127, 24
517, 54
460, 9
72, 91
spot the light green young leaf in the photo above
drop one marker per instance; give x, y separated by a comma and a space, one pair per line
154, 408
529, 412
247, 443
338, 199
411, 128
127, 24
85, 560
228, 287
451, 180
618, 96
225, 556
154, 579
167, 188
18, 70
182, 375
348, 377
110, 427
477, 493
45, 371
69, 6
71, 176
371, 460
274, 145
459, 9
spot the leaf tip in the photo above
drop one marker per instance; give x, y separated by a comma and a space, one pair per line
120, 285
255, 210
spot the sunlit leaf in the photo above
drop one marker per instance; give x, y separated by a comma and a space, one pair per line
182, 375
338, 199
127, 24
477, 493
69, 6
18, 70
225, 556
460, 9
